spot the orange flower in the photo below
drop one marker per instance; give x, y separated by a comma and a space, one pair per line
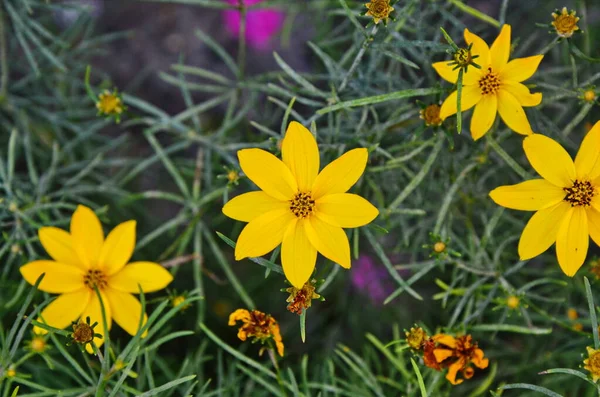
457, 354
257, 325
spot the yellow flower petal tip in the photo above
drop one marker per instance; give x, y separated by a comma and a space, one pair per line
299, 207
84, 262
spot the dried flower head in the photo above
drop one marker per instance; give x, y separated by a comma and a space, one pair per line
110, 104
456, 354
301, 299
565, 23
592, 363
83, 332
257, 325
431, 115
380, 10
416, 338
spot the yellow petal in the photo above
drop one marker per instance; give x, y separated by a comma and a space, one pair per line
541, 230
118, 247
500, 49
331, 241
587, 161
341, 174
126, 310
94, 312
59, 246
453, 371
484, 116
520, 69
572, 241
441, 354
346, 210
300, 153
532, 195
59, 278
471, 94
263, 234
65, 309
87, 235
298, 255
480, 48
248, 206
151, 276
512, 113
268, 173
448, 73
593, 217
550, 160
444, 339
522, 93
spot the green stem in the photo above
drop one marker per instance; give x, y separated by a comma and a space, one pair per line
459, 86
358, 57
3, 58
474, 12
506, 157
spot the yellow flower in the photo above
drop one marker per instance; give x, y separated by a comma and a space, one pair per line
109, 103
257, 325
82, 260
565, 23
566, 199
592, 363
416, 338
298, 207
495, 88
379, 10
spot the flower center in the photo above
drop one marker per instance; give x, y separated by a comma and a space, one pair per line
431, 115
580, 194
302, 205
566, 24
489, 83
95, 278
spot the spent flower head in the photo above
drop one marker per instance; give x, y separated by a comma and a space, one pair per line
430, 114
565, 22
565, 200
258, 326
416, 338
300, 299
84, 265
380, 10
84, 334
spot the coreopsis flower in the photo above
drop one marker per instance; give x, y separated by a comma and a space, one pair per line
565, 22
300, 299
257, 325
496, 88
592, 363
110, 104
456, 354
298, 207
565, 199
380, 10
83, 261
262, 25
431, 115
416, 338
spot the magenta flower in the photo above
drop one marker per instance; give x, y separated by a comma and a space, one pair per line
371, 279
261, 24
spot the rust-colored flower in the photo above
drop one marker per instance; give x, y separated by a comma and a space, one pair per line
257, 325
456, 354
301, 299
416, 338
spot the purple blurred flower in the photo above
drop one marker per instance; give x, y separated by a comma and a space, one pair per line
370, 279
261, 24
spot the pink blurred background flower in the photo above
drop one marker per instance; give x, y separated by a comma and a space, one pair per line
261, 24
371, 279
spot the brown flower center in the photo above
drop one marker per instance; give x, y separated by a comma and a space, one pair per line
431, 115
95, 278
580, 194
302, 205
489, 83
379, 8
594, 362
83, 333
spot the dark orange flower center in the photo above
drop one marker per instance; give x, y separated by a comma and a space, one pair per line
489, 83
302, 205
95, 278
431, 115
580, 194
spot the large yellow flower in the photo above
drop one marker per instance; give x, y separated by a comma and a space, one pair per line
495, 88
83, 260
299, 207
567, 199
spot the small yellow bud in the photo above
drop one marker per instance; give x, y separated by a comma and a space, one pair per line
572, 314
439, 247
513, 302
589, 95
38, 344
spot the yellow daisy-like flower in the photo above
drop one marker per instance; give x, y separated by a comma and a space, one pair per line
83, 260
592, 363
495, 88
379, 10
565, 23
298, 207
109, 103
566, 199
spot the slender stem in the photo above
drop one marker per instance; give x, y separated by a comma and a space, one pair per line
506, 157
242, 40
358, 57
459, 86
3, 57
